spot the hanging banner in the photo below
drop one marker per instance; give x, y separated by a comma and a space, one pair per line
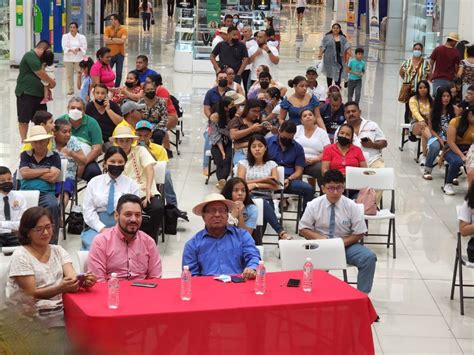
374, 22
350, 14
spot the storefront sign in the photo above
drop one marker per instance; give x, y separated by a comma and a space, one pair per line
350, 14
19, 13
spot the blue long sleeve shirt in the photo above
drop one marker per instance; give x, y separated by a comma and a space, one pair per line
228, 255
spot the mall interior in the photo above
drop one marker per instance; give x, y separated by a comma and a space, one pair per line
411, 293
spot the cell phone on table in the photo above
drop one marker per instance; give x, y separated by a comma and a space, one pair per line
81, 278
145, 284
293, 283
237, 279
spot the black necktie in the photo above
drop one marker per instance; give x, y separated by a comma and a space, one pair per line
6, 208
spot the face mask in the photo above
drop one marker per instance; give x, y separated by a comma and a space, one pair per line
235, 40
264, 84
6, 186
141, 143
115, 170
286, 141
235, 21
75, 114
343, 141
129, 85
222, 83
100, 102
417, 53
150, 95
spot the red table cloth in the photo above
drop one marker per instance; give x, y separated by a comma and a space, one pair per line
224, 318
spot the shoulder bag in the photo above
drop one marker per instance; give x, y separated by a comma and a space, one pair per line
405, 90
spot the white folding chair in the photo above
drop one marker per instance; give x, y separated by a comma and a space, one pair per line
62, 179
31, 197
209, 166
325, 254
160, 173
82, 255
281, 179
258, 233
460, 261
405, 133
377, 179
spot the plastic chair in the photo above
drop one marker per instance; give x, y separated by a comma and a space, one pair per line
160, 173
406, 132
210, 172
460, 261
62, 179
258, 233
31, 197
377, 179
82, 255
281, 179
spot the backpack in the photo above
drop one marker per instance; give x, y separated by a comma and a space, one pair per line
75, 222
367, 197
177, 106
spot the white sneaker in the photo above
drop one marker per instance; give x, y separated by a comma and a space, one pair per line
422, 160
448, 189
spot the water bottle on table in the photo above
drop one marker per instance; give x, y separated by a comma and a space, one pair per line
113, 287
308, 275
186, 284
260, 279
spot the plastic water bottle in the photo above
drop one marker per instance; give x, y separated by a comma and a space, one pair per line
113, 286
260, 279
308, 275
186, 284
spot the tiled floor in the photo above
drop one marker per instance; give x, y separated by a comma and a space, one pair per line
411, 293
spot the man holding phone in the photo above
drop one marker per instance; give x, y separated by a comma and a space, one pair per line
220, 249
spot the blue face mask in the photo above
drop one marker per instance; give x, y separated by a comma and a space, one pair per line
417, 53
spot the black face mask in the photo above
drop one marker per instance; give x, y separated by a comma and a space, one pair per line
286, 142
6, 186
264, 85
100, 102
222, 83
235, 40
150, 95
343, 141
115, 170
129, 85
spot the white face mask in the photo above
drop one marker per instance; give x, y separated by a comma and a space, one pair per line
75, 114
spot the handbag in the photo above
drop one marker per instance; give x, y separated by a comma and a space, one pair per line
405, 90
152, 20
75, 222
368, 198
470, 250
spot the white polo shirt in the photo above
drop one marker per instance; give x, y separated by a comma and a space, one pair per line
262, 59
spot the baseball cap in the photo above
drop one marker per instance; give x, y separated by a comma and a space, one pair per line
130, 106
144, 125
311, 69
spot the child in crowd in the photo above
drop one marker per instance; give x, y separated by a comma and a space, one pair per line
47, 63
84, 80
356, 69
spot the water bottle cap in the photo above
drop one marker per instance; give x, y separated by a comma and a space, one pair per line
308, 259
185, 267
260, 262
114, 274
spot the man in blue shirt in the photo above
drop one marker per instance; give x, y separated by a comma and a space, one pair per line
220, 249
141, 68
287, 153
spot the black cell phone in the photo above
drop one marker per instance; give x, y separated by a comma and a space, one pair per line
364, 139
237, 279
145, 284
293, 283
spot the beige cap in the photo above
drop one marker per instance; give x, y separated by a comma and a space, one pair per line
234, 95
37, 133
197, 210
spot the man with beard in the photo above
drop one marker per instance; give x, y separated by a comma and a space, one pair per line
262, 54
124, 249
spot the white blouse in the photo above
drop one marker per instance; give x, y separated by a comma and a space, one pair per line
314, 145
257, 172
72, 42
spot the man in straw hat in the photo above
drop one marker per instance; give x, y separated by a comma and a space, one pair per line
220, 248
40, 169
444, 62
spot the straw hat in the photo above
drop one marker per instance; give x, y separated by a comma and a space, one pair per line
223, 30
197, 210
234, 95
37, 133
454, 36
123, 132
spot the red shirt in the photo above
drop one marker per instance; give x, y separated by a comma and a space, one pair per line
353, 157
445, 62
163, 92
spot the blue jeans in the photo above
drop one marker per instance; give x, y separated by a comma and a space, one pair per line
455, 163
117, 59
437, 83
270, 217
238, 156
299, 187
364, 259
170, 195
207, 146
433, 151
50, 202
88, 234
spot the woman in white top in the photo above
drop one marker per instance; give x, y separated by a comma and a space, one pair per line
39, 272
146, 9
231, 83
273, 83
313, 139
102, 194
75, 47
300, 7
261, 175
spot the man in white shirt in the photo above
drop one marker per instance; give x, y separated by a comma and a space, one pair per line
314, 87
262, 54
250, 42
335, 216
12, 206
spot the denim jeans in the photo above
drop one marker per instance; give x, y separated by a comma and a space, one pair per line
299, 187
433, 151
146, 21
354, 86
455, 163
364, 259
207, 146
117, 59
170, 194
50, 202
437, 83
238, 156
270, 217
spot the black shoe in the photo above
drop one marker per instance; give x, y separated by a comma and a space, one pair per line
182, 214
170, 153
412, 137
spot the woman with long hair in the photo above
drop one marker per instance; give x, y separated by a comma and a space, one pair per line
441, 114
261, 176
420, 109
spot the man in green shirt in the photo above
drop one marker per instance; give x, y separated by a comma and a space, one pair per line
29, 89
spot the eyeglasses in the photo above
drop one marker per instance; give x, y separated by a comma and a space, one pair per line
41, 229
212, 211
338, 188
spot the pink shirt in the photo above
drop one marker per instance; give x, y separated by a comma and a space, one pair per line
138, 259
106, 74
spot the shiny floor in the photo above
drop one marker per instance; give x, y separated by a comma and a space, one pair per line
411, 293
